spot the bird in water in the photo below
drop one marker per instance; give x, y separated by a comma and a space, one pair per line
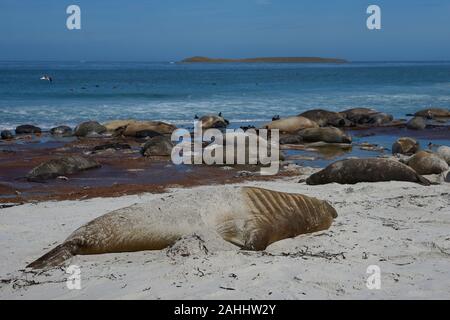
47, 78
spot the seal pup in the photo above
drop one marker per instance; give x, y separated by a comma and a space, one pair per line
250, 218
352, 171
291, 124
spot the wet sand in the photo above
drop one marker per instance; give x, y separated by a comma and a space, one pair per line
122, 172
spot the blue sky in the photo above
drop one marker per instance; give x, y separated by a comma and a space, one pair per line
163, 30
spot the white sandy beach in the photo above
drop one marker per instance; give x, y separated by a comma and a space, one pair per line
401, 227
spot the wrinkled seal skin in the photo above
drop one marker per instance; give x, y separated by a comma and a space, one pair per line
326, 118
251, 218
327, 134
427, 163
59, 167
352, 171
213, 121
406, 146
291, 124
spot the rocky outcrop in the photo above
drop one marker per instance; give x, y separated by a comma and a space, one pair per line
28, 129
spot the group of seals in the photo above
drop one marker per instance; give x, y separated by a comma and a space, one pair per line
250, 218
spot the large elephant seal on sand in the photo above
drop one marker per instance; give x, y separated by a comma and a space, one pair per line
424, 162
327, 134
326, 118
352, 171
251, 218
291, 124
212, 121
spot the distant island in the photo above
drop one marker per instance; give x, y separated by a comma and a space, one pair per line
265, 60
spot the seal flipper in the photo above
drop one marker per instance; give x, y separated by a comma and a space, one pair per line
424, 181
56, 256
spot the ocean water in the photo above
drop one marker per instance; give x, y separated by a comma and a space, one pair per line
244, 93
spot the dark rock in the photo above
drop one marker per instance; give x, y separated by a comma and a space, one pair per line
157, 146
115, 146
7, 135
61, 131
61, 167
147, 134
28, 129
447, 178
89, 128
417, 123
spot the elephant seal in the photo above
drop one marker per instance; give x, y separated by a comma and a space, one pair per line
64, 131
406, 146
250, 218
433, 113
291, 124
327, 134
135, 127
61, 167
364, 116
351, 171
444, 153
87, 128
416, 123
114, 125
212, 121
424, 162
157, 146
326, 118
